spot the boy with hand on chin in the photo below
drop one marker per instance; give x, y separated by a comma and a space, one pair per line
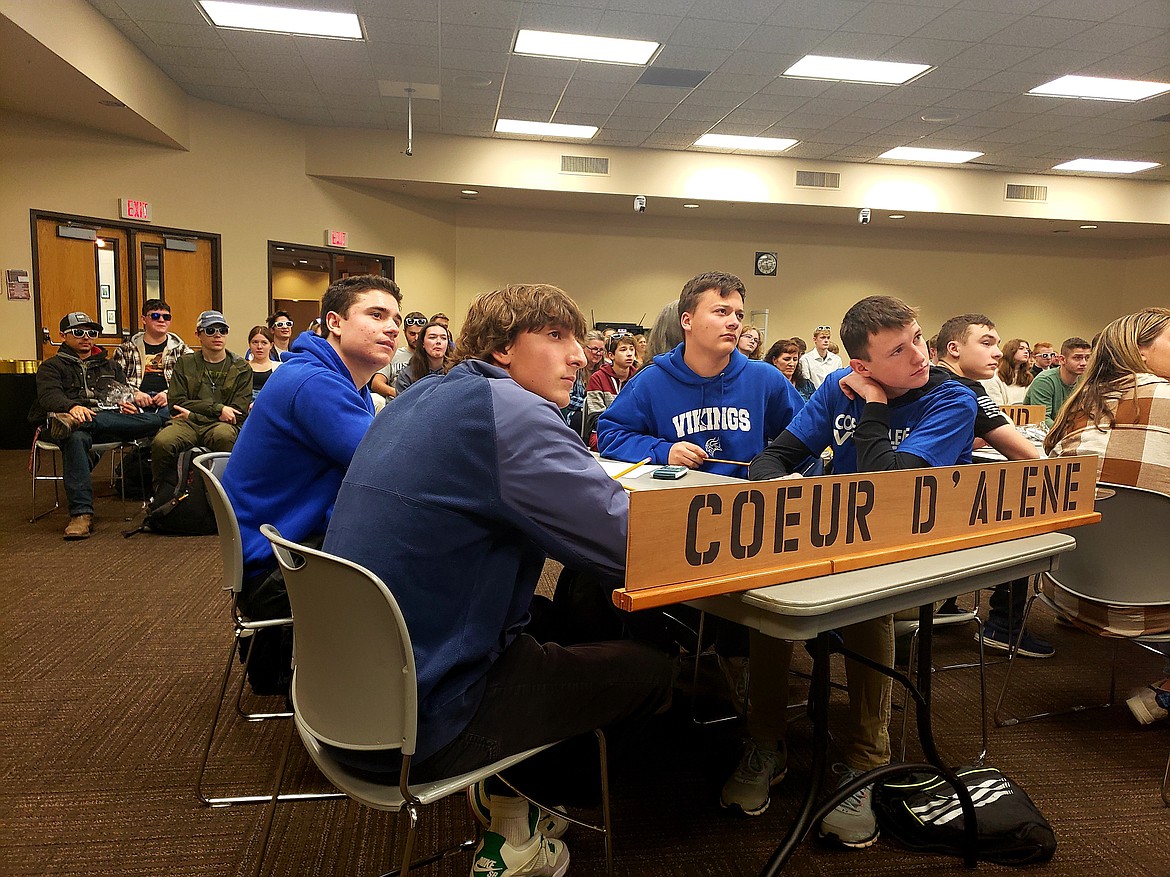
479, 478
888, 410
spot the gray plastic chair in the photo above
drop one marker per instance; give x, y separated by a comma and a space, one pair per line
210, 467
42, 447
1120, 561
354, 687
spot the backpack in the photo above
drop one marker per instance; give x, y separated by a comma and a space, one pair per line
180, 506
921, 811
133, 473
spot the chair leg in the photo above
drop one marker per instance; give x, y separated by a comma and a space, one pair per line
606, 820
36, 476
270, 815
408, 844
1166, 783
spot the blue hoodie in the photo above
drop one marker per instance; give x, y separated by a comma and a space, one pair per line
288, 462
731, 416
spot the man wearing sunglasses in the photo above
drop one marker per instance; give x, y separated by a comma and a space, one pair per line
210, 393
73, 392
820, 362
281, 324
382, 385
1044, 357
149, 357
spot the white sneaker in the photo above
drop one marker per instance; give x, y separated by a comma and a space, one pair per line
539, 821
540, 857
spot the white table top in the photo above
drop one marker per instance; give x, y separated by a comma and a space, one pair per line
802, 609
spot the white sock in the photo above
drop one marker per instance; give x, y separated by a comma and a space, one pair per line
510, 818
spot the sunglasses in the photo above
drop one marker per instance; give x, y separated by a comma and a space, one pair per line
83, 333
823, 329
1046, 356
415, 321
282, 324
215, 330
159, 315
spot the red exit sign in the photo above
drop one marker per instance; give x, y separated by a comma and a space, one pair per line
336, 238
132, 209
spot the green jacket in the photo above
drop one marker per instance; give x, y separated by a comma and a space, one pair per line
1049, 390
203, 388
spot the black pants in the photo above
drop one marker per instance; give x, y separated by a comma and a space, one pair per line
1007, 605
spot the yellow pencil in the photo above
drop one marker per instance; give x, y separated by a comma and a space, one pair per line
728, 462
631, 468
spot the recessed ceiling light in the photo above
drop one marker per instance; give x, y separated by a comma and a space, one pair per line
545, 129
855, 70
896, 216
690, 206
281, 19
1097, 88
581, 47
754, 144
1105, 166
1088, 226
938, 156
469, 191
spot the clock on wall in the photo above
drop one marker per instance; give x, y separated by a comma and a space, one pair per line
766, 264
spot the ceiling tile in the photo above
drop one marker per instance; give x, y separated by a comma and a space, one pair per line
535, 84
561, 19
212, 76
970, 24
293, 97
483, 39
1152, 13
749, 11
586, 105
191, 35
1039, 33
890, 18
795, 42
306, 115
711, 34
855, 45
542, 104
498, 13
1107, 38
816, 13
636, 25
1083, 10
381, 29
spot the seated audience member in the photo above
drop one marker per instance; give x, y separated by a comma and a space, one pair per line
445, 321
666, 334
750, 340
820, 362
261, 362
281, 325
932, 349
430, 357
482, 456
1044, 356
968, 349
1052, 387
149, 357
210, 394
293, 452
640, 343
1013, 375
785, 355
1121, 412
608, 381
800, 342
704, 398
889, 390
382, 384
82, 400
594, 352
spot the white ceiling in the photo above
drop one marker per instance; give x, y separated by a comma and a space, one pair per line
988, 53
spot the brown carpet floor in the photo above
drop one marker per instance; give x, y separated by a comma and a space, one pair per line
110, 653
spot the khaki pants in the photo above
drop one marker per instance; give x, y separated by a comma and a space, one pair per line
865, 740
179, 435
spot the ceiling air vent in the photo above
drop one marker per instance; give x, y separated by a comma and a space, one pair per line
1016, 192
817, 180
584, 164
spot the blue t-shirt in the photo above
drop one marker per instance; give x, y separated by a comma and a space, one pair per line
935, 422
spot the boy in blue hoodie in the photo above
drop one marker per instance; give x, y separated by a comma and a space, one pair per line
294, 448
888, 410
707, 399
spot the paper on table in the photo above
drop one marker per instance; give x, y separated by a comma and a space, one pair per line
613, 467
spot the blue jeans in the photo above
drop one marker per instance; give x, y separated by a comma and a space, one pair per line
106, 426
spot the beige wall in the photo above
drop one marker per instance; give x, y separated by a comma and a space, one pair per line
242, 178
624, 268
297, 285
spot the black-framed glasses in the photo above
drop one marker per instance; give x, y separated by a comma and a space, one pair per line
215, 330
415, 321
282, 324
83, 333
160, 315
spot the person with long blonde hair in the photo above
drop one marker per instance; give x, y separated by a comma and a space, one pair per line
1121, 412
1013, 375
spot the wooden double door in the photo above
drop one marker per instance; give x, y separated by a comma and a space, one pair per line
111, 276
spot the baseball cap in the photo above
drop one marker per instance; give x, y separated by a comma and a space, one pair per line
208, 319
78, 320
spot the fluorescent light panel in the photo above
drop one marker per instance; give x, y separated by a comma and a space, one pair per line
755, 144
279, 19
545, 129
938, 156
1106, 166
584, 48
855, 70
1097, 88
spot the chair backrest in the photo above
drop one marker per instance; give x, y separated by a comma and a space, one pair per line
1122, 559
354, 684
231, 547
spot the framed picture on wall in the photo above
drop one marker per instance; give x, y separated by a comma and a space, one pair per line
111, 317
105, 290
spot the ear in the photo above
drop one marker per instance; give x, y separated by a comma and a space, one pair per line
333, 322
503, 357
953, 348
685, 320
860, 367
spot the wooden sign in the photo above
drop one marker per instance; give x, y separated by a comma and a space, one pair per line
1025, 415
686, 543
